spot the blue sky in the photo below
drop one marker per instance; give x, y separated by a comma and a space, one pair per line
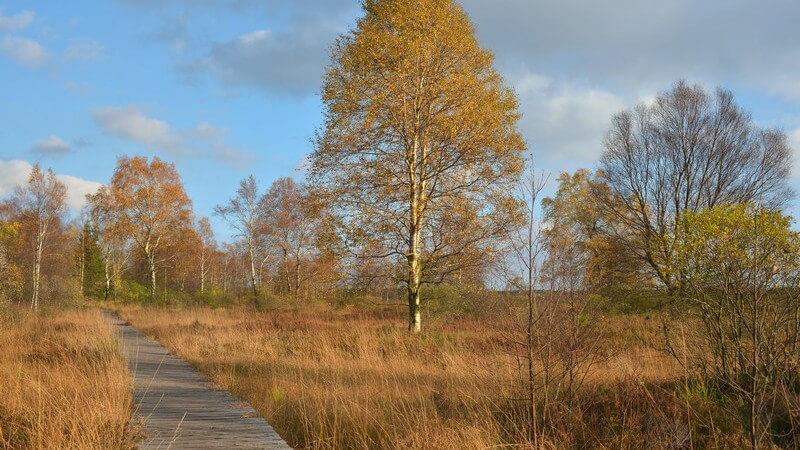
228, 88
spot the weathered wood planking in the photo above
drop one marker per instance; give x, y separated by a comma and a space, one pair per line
177, 407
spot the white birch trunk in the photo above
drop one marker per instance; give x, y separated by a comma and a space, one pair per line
203, 271
251, 252
37, 264
107, 274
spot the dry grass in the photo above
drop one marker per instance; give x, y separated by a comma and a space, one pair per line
63, 383
356, 379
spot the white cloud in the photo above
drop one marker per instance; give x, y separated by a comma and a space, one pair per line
17, 21
26, 51
213, 139
12, 174
202, 141
284, 62
52, 146
83, 50
207, 131
129, 122
287, 61
77, 188
565, 122
794, 139
15, 172
794, 144
533, 82
31, 53
630, 45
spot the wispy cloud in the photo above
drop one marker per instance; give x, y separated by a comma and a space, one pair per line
794, 144
16, 21
630, 45
26, 51
202, 141
288, 60
83, 50
565, 122
129, 122
52, 146
214, 140
284, 62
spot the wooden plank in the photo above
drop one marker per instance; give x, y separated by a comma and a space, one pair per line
177, 407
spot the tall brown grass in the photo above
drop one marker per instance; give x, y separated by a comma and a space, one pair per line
63, 383
351, 378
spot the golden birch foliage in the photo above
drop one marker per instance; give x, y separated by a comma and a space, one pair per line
150, 205
575, 216
741, 269
417, 124
729, 242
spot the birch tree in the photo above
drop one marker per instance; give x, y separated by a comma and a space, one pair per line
420, 143
528, 246
208, 246
576, 214
742, 269
150, 204
244, 215
292, 219
685, 152
42, 202
105, 223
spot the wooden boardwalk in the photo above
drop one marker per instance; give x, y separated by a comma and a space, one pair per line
177, 406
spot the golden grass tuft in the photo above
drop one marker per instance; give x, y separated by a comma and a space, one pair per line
63, 383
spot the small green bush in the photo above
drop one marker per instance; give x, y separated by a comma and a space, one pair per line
213, 298
630, 300
134, 292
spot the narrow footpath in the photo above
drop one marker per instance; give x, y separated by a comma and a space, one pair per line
178, 408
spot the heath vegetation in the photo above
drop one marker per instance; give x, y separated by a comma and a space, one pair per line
63, 383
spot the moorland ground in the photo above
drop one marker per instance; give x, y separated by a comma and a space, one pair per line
350, 377
63, 383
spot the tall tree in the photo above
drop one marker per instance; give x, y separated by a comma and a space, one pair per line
150, 205
42, 202
187, 249
89, 258
106, 224
687, 151
420, 142
528, 245
575, 214
11, 279
244, 215
292, 217
208, 246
